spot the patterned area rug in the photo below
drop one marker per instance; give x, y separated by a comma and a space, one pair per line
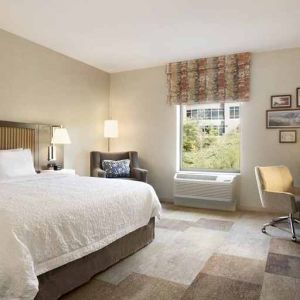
203, 254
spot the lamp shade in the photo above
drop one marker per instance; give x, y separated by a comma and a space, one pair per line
111, 129
60, 136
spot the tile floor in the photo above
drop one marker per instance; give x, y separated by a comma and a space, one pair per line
204, 254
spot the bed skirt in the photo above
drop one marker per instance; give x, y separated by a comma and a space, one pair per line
66, 278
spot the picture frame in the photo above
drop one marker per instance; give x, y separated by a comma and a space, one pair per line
284, 118
281, 101
287, 136
298, 97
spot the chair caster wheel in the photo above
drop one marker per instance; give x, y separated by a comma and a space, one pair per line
294, 239
263, 230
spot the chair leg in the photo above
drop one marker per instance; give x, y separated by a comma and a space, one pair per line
273, 222
280, 219
291, 222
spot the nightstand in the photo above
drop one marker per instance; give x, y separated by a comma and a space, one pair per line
62, 171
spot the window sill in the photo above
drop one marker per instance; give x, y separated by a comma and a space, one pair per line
215, 173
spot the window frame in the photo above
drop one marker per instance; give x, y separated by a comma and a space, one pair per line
236, 112
201, 170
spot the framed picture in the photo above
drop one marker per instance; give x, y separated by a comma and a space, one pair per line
281, 101
284, 118
298, 96
287, 136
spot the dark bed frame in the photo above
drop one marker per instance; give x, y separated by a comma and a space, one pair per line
59, 281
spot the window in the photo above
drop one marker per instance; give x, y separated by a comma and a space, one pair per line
234, 112
210, 137
205, 114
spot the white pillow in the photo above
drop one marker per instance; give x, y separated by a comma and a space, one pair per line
16, 163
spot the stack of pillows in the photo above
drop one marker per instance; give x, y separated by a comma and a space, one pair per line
19, 162
116, 168
15, 163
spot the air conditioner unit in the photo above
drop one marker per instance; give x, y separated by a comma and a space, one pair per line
205, 190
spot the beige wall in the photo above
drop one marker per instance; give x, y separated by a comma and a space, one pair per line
273, 73
40, 85
147, 123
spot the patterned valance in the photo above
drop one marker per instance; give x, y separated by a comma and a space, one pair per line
214, 79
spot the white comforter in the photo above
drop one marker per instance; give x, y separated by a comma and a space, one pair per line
49, 220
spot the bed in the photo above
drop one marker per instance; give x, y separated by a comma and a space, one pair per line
59, 230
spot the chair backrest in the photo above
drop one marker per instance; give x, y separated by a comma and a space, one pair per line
113, 156
273, 179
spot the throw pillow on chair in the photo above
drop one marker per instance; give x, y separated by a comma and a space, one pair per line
116, 168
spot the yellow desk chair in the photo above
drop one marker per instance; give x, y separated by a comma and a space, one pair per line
276, 189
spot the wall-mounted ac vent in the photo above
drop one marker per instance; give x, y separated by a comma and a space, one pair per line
205, 190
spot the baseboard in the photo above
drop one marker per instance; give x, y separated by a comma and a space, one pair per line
166, 200
251, 208
260, 209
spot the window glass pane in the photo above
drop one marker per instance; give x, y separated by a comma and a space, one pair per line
221, 114
194, 113
215, 114
201, 114
207, 114
211, 140
237, 112
231, 109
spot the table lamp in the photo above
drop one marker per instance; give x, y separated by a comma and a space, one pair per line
60, 136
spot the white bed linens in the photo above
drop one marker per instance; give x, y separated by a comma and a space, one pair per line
49, 220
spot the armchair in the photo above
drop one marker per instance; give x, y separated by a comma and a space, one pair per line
276, 189
136, 173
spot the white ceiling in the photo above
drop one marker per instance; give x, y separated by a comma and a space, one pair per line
119, 35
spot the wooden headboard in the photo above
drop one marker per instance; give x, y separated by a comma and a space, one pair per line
36, 137
15, 135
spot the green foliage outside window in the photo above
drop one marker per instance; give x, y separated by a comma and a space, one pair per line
209, 150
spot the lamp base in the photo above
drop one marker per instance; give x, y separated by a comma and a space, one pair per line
51, 153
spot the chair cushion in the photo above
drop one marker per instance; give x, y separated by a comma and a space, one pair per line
276, 179
116, 168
